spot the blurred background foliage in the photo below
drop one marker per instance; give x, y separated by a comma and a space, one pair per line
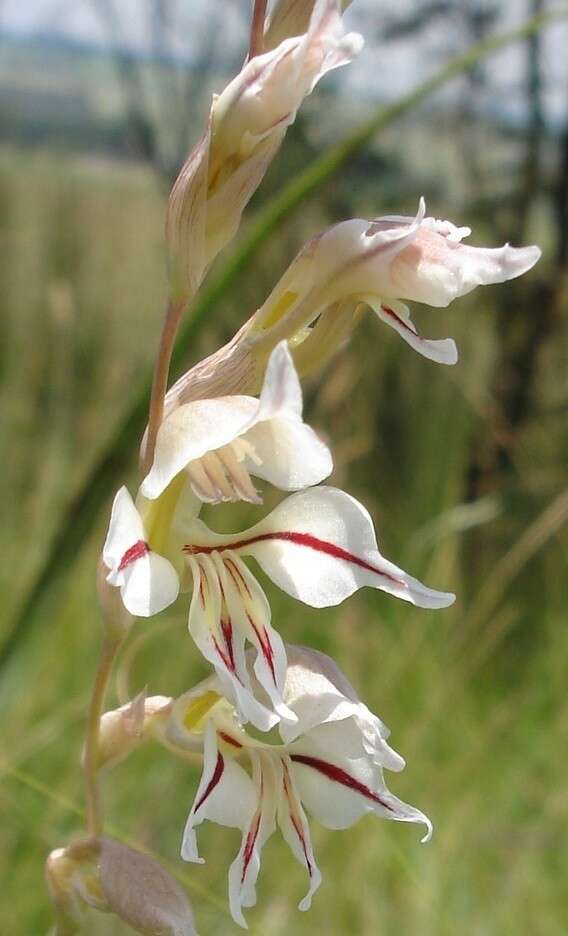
463, 469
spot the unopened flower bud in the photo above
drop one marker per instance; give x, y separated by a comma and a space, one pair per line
290, 18
126, 728
247, 124
110, 877
142, 893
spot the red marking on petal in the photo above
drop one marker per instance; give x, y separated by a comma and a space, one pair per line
230, 740
400, 321
227, 629
250, 843
202, 588
135, 552
338, 775
265, 646
217, 774
308, 541
294, 818
236, 575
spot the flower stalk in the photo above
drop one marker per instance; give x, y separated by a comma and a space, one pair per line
95, 816
256, 45
170, 327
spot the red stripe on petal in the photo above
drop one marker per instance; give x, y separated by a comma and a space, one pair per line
217, 774
227, 629
249, 844
308, 541
390, 313
230, 740
294, 819
236, 575
338, 775
265, 646
135, 552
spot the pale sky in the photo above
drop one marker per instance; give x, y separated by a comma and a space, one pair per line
381, 71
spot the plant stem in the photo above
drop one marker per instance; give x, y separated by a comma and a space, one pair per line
256, 44
160, 379
110, 647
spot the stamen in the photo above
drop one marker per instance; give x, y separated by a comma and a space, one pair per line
222, 476
232, 458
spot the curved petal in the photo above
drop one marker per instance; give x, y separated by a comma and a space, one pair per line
243, 872
191, 431
397, 315
225, 795
338, 784
249, 609
150, 585
125, 529
295, 829
319, 546
216, 625
289, 454
437, 268
318, 693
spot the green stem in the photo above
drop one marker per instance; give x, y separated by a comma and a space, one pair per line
95, 819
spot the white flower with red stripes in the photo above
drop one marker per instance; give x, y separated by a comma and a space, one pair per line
318, 545
330, 762
379, 263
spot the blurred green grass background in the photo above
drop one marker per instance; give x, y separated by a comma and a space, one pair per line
475, 696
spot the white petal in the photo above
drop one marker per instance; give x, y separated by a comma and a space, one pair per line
281, 392
125, 529
481, 266
437, 268
243, 872
288, 453
397, 315
295, 830
250, 611
319, 546
219, 632
338, 788
291, 456
318, 693
191, 431
150, 584
225, 795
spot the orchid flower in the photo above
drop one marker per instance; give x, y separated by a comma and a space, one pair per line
330, 763
380, 263
247, 124
220, 443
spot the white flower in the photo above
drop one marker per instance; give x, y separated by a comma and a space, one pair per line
219, 443
318, 545
247, 124
379, 263
332, 764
